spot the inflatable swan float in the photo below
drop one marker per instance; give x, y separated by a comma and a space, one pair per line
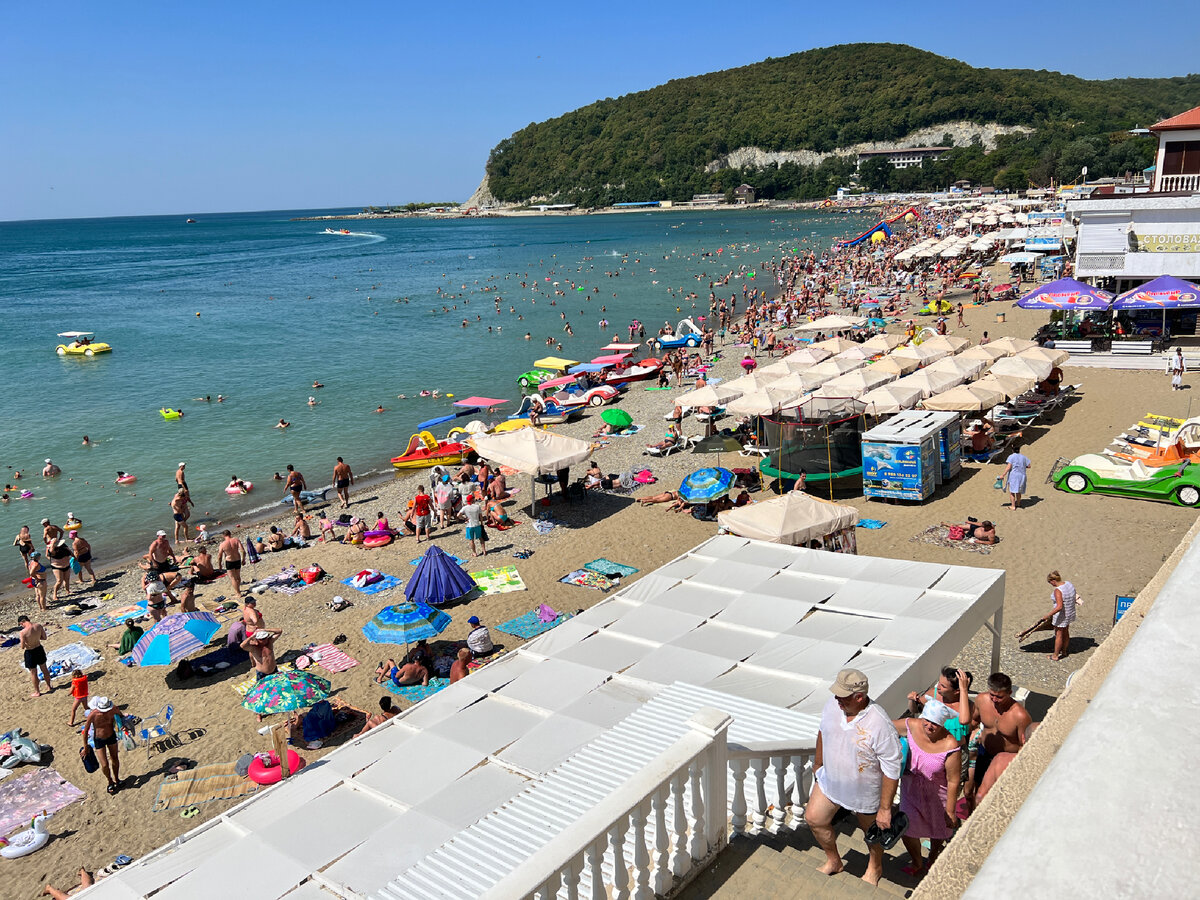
25, 842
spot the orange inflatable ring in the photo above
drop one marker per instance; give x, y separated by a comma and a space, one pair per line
269, 772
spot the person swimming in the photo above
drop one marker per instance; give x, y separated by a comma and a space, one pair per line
282, 424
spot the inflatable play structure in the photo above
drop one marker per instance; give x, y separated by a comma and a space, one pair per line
936, 308
823, 441
171, 413
245, 488
869, 235
125, 478
22, 749
425, 450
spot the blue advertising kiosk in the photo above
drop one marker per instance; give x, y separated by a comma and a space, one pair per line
909, 455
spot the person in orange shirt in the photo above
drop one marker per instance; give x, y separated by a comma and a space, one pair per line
79, 693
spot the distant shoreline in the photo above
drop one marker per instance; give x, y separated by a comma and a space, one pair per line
805, 206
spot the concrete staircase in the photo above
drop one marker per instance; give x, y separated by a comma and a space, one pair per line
785, 866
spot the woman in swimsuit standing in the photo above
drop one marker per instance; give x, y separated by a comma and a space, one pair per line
60, 561
24, 543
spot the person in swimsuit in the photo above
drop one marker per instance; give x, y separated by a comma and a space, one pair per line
343, 478
356, 531
31, 636
60, 561
180, 477
202, 565
83, 555
157, 594
179, 510
37, 578
160, 555
229, 554
386, 711
50, 533
670, 439
24, 543
295, 483
101, 721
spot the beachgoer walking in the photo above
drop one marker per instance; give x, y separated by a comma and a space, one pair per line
1177, 367
961, 323
295, 483
83, 555
1013, 478
24, 543
857, 767
1063, 614
179, 510
422, 512
229, 555
929, 788
1004, 722
343, 478
101, 721
79, 693
31, 636
472, 511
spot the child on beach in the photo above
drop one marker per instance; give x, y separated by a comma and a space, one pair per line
327, 533
79, 693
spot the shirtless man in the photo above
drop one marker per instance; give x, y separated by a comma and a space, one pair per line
83, 555
301, 529
295, 483
32, 635
51, 470
459, 668
180, 477
179, 509
50, 533
202, 565
343, 478
261, 646
229, 554
1004, 722
160, 555
101, 721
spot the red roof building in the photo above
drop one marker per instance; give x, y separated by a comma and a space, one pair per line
1189, 119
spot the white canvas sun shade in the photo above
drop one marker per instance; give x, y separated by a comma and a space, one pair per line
956, 365
1009, 385
835, 367
1052, 355
931, 382
946, 342
795, 518
709, 395
833, 323
985, 352
834, 345
882, 343
1022, 367
922, 354
896, 366
755, 381
532, 450
891, 398
1012, 345
854, 384
967, 398
762, 403
807, 356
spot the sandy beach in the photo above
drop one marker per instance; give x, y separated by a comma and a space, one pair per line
1106, 546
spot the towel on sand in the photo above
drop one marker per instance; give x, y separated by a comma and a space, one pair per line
388, 583
609, 568
415, 693
498, 581
24, 797
530, 625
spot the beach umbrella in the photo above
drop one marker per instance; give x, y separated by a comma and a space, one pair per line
832, 323
1011, 345
709, 395
1009, 385
1022, 367
174, 638
835, 367
807, 356
706, 485
793, 518
437, 579
945, 342
762, 403
1066, 293
774, 370
966, 398
854, 384
985, 352
1052, 355
882, 343
1164, 292
922, 354
405, 623
858, 353
617, 418
967, 368
895, 366
892, 398
931, 383
833, 345
754, 381
286, 692
718, 444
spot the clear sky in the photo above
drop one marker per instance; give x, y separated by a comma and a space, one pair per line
121, 108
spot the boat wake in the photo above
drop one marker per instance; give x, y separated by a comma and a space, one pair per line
344, 232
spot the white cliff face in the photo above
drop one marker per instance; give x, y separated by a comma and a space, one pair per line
482, 198
962, 134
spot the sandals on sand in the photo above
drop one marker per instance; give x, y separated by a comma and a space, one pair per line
190, 813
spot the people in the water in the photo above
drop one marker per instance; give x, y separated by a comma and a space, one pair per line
282, 424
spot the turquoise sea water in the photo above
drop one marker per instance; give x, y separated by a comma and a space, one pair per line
282, 304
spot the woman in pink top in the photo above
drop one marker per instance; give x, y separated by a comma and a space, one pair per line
929, 785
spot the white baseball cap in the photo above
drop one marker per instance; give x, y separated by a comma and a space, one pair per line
161, 534
181, 465
47, 460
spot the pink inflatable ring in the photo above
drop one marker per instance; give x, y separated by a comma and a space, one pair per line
269, 771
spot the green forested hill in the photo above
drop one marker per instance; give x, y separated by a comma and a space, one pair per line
655, 144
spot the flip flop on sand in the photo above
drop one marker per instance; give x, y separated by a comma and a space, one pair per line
190, 813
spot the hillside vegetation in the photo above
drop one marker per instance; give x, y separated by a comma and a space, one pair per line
655, 144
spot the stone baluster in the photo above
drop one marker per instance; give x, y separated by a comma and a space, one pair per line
680, 863
616, 843
549, 890
779, 812
595, 856
801, 787
641, 856
698, 843
662, 844
737, 818
758, 817
570, 877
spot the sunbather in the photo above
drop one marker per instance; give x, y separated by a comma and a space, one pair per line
402, 676
386, 711
981, 532
669, 440
678, 504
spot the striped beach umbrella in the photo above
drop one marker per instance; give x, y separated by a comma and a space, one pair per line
405, 623
285, 692
174, 638
705, 485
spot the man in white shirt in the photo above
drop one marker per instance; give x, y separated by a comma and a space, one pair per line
857, 767
479, 641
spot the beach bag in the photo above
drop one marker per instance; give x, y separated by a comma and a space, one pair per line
956, 533
366, 577
319, 722
88, 757
311, 574
999, 485
76, 568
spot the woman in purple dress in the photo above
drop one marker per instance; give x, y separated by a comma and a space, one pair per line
930, 782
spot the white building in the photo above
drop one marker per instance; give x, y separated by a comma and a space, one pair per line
905, 156
1177, 167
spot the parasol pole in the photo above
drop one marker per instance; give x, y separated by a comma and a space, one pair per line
280, 748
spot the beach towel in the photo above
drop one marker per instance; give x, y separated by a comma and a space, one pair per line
415, 693
417, 561
387, 583
286, 581
25, 797
205, 784
608, 567
588, 579
530, 625
108, 620
631, 430
498, 581
938, 535
871, 524
544, 526
216, 607
331, 659
72, 656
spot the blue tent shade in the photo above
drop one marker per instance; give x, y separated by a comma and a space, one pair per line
1164, 292
1066, 293
437, 579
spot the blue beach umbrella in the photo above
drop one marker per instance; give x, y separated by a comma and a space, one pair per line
705, 485
174, 638
405, 623
437, 579
1163, 292
1066, 293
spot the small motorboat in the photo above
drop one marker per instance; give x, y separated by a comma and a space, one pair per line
425, 450
190, 222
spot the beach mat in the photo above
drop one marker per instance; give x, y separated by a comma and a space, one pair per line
529, 625
205, 784
608, 567
331, 659
501, 580
108, 620
871, 524
415, 693
938, 535
212, 606
26, 796
388, 583
62, 660
588, 579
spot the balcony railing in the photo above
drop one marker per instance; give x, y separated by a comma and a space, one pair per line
1179, 183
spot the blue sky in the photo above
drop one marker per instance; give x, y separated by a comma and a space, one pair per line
119, 108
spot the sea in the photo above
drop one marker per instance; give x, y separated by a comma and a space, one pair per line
257, 306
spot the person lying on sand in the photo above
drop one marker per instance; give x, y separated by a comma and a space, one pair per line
401, 676
982, 532
672, 497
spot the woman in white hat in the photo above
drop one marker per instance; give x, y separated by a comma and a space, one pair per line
929, 784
